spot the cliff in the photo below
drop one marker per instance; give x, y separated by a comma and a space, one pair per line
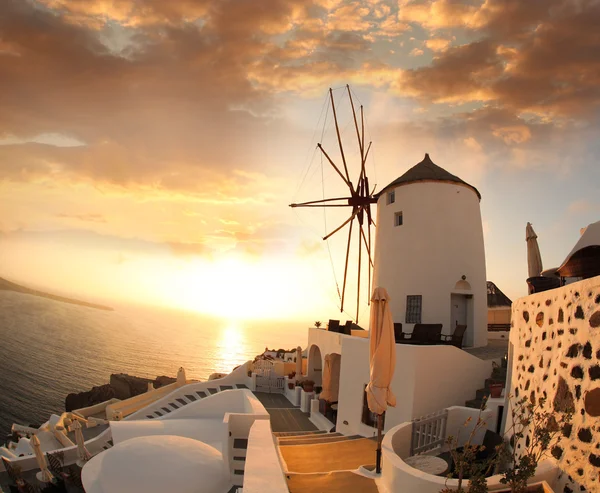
11, 286
121, 386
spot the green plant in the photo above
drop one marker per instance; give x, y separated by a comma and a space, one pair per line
534, 430
498, 373
464, 459
318, 324
318, 389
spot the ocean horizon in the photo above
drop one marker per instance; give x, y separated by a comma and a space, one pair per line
49, 349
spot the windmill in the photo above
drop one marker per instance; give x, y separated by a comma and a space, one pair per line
359, 198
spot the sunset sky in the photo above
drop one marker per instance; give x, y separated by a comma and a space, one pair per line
149, 148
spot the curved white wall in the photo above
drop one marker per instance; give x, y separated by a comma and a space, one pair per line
440, 240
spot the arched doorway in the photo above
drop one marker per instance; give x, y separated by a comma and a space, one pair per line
315, 365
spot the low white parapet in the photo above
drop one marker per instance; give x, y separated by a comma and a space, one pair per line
398, 476
263, 471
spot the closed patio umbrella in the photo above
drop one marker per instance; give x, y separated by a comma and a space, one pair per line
82, 452
326, 380
298, 363
45, 476
382, 359
534, 259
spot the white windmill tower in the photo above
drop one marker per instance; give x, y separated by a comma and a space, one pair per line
429, 251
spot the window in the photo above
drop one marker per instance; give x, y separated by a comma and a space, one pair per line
413, 309
391, 197
398, 219
369, 418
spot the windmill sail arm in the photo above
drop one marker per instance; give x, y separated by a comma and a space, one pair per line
347, 182
321, 203
342, 225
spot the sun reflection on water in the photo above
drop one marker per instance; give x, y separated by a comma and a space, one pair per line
232, 346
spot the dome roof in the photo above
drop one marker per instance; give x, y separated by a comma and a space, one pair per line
427, 170
155, 464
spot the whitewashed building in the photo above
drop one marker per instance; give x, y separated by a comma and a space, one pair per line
429, 251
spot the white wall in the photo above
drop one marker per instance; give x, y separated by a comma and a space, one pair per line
239, 375
263, 471
426, 379
440, 240
398, 476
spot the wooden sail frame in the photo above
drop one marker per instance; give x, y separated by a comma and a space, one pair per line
359, 198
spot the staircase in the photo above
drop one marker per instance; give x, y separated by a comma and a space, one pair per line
285, 439
183, 399
484, 393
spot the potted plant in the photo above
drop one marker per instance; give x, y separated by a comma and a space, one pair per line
318, 324
308, 385
291, 385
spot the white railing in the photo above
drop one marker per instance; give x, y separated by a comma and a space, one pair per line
428, 432
263, 366
270, 383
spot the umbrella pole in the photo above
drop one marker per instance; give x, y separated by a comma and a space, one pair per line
378, 466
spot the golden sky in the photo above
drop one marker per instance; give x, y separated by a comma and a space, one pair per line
149, 148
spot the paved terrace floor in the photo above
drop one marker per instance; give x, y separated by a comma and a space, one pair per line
496, 349
284, 416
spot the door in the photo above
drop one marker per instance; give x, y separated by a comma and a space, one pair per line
458, 311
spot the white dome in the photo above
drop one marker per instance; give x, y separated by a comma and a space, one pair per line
157, 464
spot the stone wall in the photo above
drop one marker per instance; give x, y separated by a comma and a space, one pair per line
556, 355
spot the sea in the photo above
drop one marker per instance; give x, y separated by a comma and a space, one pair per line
49, 349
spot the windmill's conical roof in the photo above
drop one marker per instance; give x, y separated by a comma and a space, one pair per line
495, 297
427, 170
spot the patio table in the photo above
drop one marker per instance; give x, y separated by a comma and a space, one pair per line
428, 463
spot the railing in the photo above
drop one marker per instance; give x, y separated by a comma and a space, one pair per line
263, 366
428, 432
270, 383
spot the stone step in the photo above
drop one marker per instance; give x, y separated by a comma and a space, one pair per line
488, 381
182, 401
481, 393
297, 433
474, 403
308, 437
212, 390
225, 387
241, 386
190, 397
317, 441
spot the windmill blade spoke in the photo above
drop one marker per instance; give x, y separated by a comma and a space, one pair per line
371, 265
355, 122
363, 171
320, 203
346, 266
367, 244
358, 281
346, 181
342, 225
337, 130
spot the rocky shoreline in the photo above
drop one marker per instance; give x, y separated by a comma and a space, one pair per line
121, 386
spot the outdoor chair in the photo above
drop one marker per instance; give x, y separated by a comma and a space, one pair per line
455, 339
333, 326
398, 331
422, 334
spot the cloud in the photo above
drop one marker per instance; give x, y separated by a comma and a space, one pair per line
537, 57
90, 217
416, 52
437, 44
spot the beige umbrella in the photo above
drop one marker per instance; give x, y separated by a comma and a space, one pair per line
382, 359
298, 363
326, 380
534, 259
84, 455
45, 476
